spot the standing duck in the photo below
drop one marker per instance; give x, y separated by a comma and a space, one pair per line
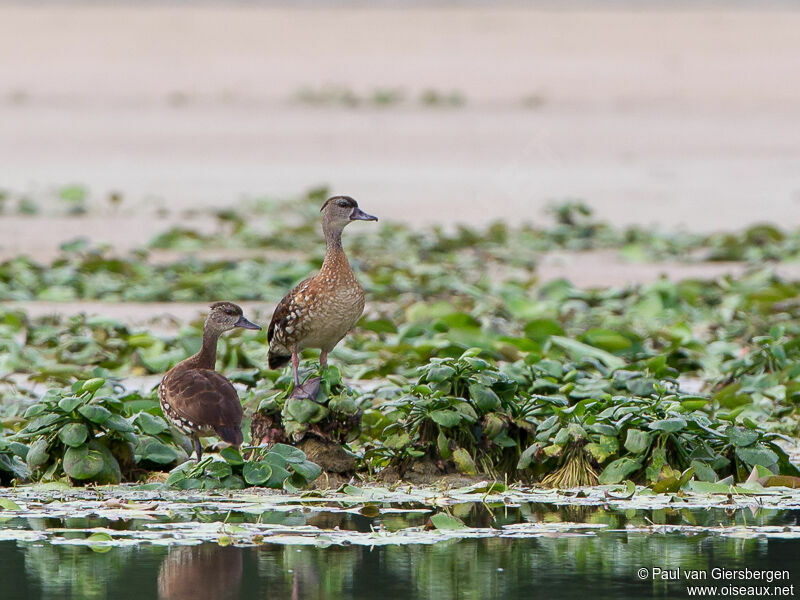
197, 399
320, 310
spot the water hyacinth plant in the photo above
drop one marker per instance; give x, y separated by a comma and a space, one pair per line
88, 437
279, 467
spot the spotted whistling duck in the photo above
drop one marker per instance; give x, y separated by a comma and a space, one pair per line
320, 310
197, 399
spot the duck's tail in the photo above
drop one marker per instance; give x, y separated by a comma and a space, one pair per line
277, 360
232, 435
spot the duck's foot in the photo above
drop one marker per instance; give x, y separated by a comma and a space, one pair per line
198, 448
308, 389
219, 446
318, 432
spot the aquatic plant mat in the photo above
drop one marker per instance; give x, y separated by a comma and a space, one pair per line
129, 515
483, 540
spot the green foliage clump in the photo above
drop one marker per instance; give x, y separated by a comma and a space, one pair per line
334, 414
95, 438
636, 423
572, 422
462, 410
279, 467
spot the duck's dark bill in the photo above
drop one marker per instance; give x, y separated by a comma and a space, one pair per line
360, 215
245, 324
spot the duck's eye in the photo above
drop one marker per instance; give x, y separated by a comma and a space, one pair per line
343, 204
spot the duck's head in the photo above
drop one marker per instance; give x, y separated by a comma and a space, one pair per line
225, 316
339, 211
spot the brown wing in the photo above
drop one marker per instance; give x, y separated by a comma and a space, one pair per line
204, 397
283, 312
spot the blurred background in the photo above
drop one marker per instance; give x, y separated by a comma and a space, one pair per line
675, 114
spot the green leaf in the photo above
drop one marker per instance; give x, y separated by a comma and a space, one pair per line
627, 493
641, 386
99, 536
233, 482
607, 340
440, 373
92, 385
397, 441
177, 474
289, 453
443, 445
37, 454
604, 429
757, 455
257, 472
787, 481
603, 450
579, 351
731, 397
151, 424
637, 441
464, 462
35, 410
526, 458
308, 470
720, 487
484, 397
741, 437
667, 485
73, 434
668, 425
190, 483
619, 470
117, 423
445, 418
703, 472
219, 469
7, 504
82, 463
541, 329
692, 403
96, 414
278, 477
445, 522
658, 462
153, 450
303, 410
232, 456
70, 403
379, 326
44, 422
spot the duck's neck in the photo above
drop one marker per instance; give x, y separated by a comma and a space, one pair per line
334, 253
207, 357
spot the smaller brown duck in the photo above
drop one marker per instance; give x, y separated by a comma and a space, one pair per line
320, 310
198, 400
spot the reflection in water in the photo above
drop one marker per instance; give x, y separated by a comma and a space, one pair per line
73, 572
206, 572
558, 565
310, 573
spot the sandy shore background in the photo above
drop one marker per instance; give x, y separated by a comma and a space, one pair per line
676, 117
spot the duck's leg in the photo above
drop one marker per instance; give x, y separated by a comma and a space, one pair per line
295, 366
197, 447
323, 359
310, 388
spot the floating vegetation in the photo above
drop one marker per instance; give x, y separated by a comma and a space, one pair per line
278, 466
343, 96
466, 365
